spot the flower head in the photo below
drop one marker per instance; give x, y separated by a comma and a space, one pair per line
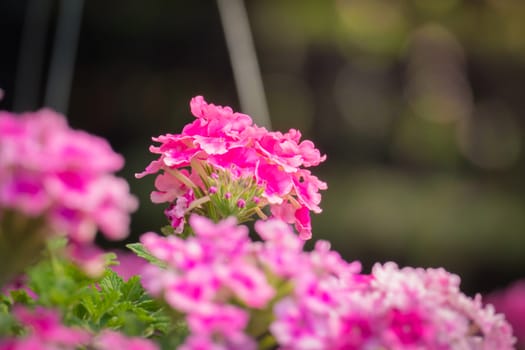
58, 181
221, 280
239, 169
391, 308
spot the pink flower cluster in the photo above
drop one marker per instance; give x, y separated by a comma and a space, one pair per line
205, 273
234, 291
45, 331
229, 142
390, 308
50, 171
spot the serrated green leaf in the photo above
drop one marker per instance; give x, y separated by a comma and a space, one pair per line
107, 302
132, 289
110, 259
111, 282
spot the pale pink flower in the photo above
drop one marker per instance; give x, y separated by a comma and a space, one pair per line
111, 340
89, 257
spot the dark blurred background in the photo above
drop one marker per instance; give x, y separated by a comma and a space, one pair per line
419, 105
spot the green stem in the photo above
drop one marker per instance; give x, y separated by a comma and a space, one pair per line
260, 213
21, 243
181, 177
197, 203
267, 342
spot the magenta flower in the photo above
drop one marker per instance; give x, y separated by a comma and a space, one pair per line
236, 166
57, 181
212, 267
45, 332
511, 302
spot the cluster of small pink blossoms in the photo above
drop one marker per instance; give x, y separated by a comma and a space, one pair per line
225, 284
235, 293
45, 331
390, 308
222, 148
205, 273
60, 177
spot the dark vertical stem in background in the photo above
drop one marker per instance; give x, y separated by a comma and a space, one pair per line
62, 62
31, 55
243, 59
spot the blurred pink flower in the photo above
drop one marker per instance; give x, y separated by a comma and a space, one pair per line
225, 284
511, 302
62, 177
45, 332
129, 264
391, 308
205, 274
111, 340
48, 169
19, 283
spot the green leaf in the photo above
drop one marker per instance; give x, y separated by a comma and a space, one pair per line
110, 282
107, 302
178, 333
139, 249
